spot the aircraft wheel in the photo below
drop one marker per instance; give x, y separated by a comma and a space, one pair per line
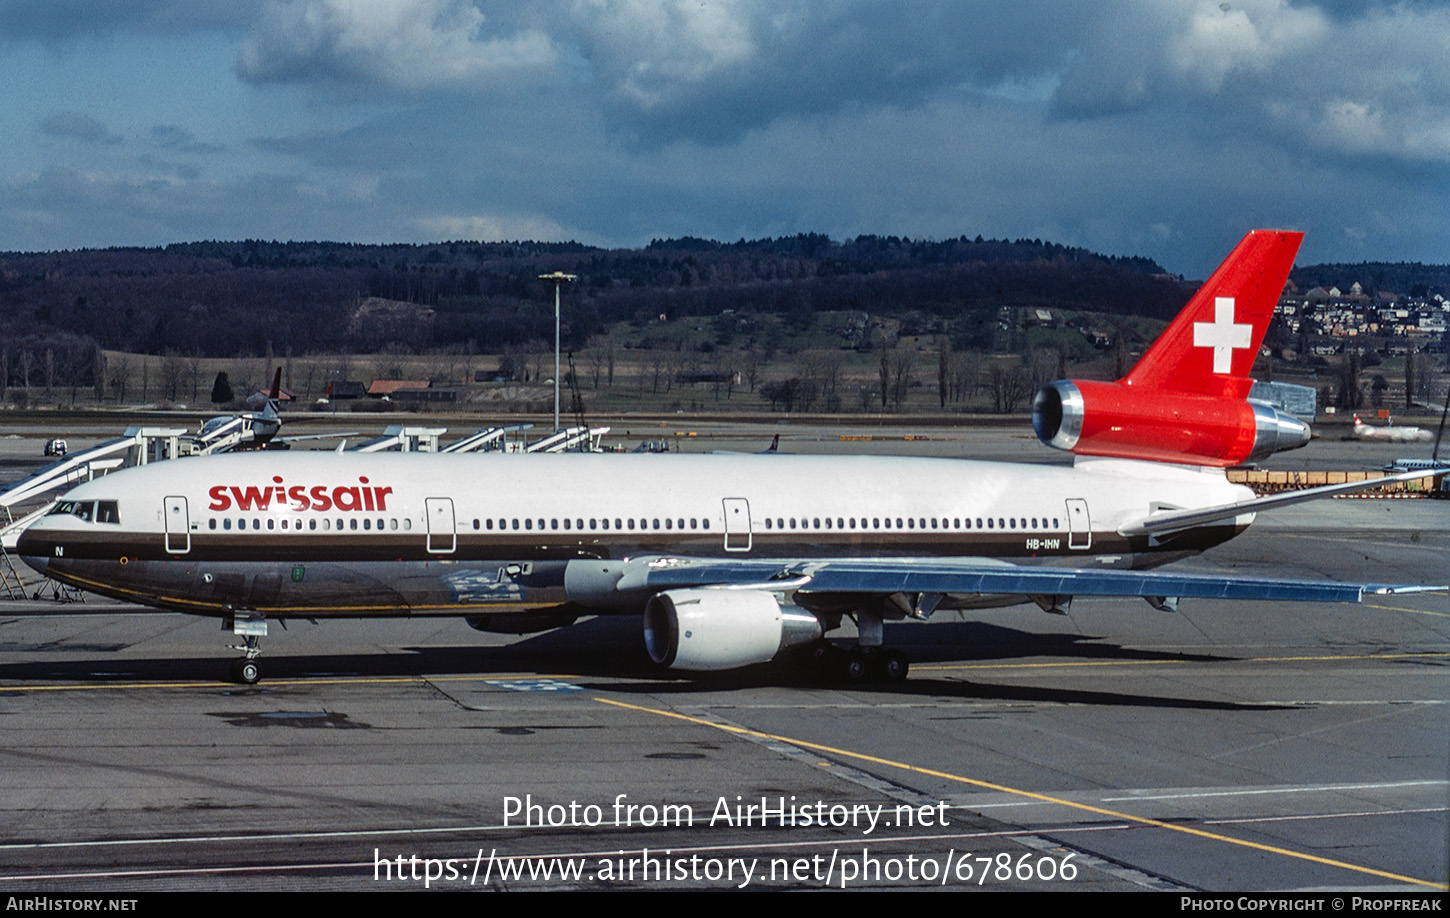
894, 666
246, 671
856, 668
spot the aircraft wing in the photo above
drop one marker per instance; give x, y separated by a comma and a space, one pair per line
982, 576
1174, 520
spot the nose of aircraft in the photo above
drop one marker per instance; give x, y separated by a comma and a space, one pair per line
32, 552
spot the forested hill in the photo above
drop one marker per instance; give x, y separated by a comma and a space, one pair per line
1405, 278
233, 298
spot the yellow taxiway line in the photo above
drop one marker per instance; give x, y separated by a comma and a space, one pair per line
1032, 795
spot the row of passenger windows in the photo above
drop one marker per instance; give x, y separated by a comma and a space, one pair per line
618, 524
932, 523
326, 524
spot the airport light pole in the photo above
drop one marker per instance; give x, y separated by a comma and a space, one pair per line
559, 279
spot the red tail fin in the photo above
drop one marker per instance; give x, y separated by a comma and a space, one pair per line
1210, 348
276, 392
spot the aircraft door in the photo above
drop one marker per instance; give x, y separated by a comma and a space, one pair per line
178, 525
442, 531
1079, 524
737, 524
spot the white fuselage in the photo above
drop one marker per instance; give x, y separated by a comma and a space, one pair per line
176, 530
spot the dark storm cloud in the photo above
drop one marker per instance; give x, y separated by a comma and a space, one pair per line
712, 74
1157, 127
400, 44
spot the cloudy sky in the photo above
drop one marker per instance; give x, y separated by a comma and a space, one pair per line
1146, 127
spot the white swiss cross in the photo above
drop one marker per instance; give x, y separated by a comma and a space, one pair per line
1223, 334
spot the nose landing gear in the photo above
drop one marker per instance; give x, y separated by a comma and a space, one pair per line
251, 627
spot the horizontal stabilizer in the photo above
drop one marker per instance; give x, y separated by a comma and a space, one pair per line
1176, 520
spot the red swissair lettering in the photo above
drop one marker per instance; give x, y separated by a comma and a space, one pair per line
279, 495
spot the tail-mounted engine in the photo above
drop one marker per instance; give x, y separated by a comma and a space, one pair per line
1113, 419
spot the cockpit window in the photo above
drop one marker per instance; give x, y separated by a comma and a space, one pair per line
88, 511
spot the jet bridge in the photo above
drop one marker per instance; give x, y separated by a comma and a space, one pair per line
139, 446
490, 440
569, 440
403, 439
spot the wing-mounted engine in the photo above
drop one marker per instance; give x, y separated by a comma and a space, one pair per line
1113, 419
703, 630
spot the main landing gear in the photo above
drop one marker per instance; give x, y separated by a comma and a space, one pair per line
857, 665
868, 661
251, 627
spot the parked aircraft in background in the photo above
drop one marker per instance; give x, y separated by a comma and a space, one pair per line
731, 558
1390, 434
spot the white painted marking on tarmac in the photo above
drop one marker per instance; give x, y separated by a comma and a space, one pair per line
1314, 816
1302, 789
533, 685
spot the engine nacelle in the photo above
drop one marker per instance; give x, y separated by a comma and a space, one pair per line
703, 630
1111, 419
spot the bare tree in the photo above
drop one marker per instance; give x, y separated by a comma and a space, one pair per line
173, 372
1009, 382
193, 372
901, 375
118, 376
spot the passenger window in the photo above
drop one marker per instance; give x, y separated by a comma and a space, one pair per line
211, 524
